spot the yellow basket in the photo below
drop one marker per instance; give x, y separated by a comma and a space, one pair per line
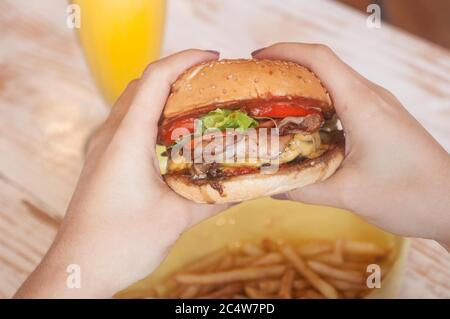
267, 218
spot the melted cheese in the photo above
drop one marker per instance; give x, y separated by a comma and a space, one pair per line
300, 145
177, 166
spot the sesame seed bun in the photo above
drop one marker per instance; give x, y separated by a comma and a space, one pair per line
204, 86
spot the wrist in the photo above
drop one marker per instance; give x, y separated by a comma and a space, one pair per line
64, 275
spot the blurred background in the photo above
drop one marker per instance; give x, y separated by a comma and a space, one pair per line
57, 84
427, 19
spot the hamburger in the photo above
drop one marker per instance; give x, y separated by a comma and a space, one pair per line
244, 95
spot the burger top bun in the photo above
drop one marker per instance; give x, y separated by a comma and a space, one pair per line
223, 81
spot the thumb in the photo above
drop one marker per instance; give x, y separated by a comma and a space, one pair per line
338, 77
154, 88
330, 192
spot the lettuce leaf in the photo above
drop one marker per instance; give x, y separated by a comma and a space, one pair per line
223, 119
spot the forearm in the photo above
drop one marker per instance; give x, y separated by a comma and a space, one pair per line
96, 260
62, 276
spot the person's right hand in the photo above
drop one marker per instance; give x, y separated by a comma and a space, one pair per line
395, 174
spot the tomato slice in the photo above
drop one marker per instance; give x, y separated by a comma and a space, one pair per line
281, 110
187, 123
273, 110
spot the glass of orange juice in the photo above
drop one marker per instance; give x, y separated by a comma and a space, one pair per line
119, 38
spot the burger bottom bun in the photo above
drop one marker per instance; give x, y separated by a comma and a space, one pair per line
249, 186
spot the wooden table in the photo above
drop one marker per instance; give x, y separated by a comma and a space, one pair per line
49, 104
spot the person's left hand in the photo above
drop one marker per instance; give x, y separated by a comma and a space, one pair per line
122, 218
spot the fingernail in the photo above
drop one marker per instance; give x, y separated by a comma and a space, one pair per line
257, 51
213, 51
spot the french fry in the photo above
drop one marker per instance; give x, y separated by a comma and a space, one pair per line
252, 250
190, 292
315, 248
335, 257
330, 259
254, 293
239, 296
140, 293
286, 284
269, 245
227, 290
336, 273
244, 261
345, 285
175, 293
206, 289
300, 284
354, 294
226, 263
205, 262
243, 274
268, 259
316, 281
269, 286
362, 248
338, 251
353, 265
168, 285
307, 294
365, 259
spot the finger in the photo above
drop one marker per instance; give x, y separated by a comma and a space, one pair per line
343, 83
154, 88
123, 103
330, 192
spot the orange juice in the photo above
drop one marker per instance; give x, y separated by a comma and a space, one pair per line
120, 37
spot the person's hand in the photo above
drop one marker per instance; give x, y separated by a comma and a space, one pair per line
122, 218
395, 174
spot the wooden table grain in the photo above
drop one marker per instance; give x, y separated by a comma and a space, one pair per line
49, 104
